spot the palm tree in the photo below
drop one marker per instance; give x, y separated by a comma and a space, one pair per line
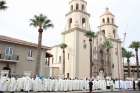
2, 5
123, 51
108, 45
90, 35
63, 46
136, 45
42, 22
123, 56
128, 55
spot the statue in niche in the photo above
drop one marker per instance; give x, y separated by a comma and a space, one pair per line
101, 74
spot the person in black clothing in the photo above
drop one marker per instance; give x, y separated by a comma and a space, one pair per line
90, 86
134, 85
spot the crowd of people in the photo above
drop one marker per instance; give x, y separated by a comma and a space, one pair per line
27, 83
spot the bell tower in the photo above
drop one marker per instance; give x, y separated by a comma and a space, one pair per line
77, 51
77, 15
107, 24
110, 32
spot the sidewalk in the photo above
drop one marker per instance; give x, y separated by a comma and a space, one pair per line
95, 91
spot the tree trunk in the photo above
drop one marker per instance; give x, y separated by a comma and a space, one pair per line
102, 60
63, 61
123, 67
37, 69
108, 63
128, 62
90, 41
137, 61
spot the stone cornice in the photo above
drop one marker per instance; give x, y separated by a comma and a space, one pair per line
108, 24
107, 14
116, 40
77, 11
73, 29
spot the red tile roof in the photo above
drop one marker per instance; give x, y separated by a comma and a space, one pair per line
19, 42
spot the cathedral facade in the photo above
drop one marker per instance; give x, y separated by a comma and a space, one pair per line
77, 52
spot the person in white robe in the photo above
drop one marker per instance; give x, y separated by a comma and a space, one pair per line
27, 84
52, 85
60, 85
117, 84
102, 84
74, 85
70, 85
65, 85
125, 86
84, 85
12, 85
36, 84
46, 84
122, 84
4, 83
56, 86
20, 84
95, 85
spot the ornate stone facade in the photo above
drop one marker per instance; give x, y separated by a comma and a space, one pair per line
77, 53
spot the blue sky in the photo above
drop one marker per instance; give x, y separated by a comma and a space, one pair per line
14, 22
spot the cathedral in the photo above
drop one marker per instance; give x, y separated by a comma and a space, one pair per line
74, 60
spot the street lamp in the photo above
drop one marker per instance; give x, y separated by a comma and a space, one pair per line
124, 36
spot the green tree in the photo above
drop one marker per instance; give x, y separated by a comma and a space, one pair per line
128, 55
108, 45
41, 22
3, 5
136, 45
91, 36
63, 46
123, 51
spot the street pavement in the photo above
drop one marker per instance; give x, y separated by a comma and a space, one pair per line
97, 91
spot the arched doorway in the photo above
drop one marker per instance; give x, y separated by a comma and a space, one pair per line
7, 69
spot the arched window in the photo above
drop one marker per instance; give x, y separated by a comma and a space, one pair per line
8, 51
101, 51
68, 56
77, 6
108, 20
59, 59
30, 52
84, 44
114, 33
103, 32
83, 7
103, 20
112, 21
83, 22
71, 7
70, 22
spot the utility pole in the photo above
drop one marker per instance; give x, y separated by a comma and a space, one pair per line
123, 42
